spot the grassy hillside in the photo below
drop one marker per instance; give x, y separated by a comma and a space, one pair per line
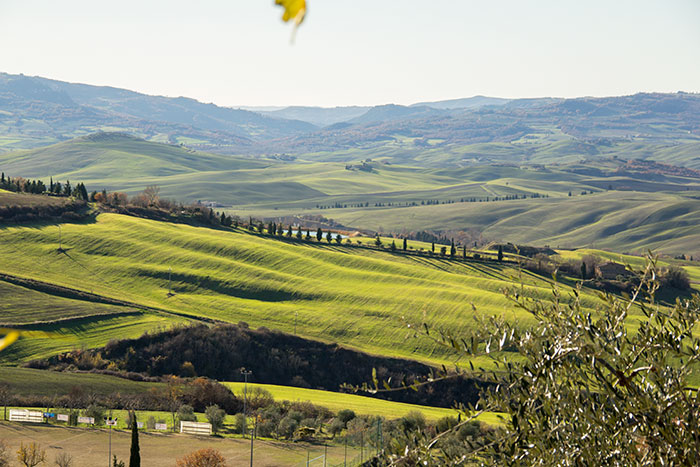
621, 221
351, 296
104, 155
629, 205
361, 405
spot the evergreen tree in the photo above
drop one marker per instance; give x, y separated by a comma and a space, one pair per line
329, 236
500, 252
135, 458
432, 247
319, 234
289, 231
280, 230
393, 245
223, 218
378, 241
464, 251
452, 249
583, 270
50, 184
67, 189
298, 232
2, 179
83, 192
405, 244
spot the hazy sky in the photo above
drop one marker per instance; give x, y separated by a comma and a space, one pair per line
238, 52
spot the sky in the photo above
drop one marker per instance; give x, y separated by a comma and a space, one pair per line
359, 52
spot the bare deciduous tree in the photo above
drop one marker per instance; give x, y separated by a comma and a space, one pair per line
31, 455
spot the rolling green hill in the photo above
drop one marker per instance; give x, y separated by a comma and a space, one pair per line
351, 296
631, 205
620, 221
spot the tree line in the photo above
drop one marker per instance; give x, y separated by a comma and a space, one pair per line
431, 202
37, 187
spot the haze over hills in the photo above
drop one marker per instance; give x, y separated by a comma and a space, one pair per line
37, 111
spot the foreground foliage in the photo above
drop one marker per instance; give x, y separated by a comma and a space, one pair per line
588, 391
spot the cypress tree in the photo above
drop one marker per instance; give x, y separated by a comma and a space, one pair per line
464, 251
500, 252
289, 231
583, 270
329, 236
135, 458
452, 248
223, 218
319, 234
393, 245
405, 244
432, 247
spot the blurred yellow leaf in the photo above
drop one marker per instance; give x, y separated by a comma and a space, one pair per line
9, 338
11, 335
293, 10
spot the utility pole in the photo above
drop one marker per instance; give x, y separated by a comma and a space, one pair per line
110, 421
252, 437
245, 374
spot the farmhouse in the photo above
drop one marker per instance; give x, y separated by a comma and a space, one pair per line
611, 270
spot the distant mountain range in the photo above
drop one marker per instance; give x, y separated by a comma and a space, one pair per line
37, 111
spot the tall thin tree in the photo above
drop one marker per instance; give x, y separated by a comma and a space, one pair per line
135, 458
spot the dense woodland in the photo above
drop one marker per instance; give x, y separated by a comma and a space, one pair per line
276, 358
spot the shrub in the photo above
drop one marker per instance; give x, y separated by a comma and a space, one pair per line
675, 277
95, 411
413, 421
216, 417
445, 424
287, 426
345, 416
336, 427
186, 413
259, 397
240, 423
206, 457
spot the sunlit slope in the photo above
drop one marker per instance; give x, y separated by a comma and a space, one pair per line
351, 296
102, 156
622, 221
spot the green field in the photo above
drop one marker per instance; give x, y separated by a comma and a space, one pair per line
25, 306
28, 381
352, 296
620, 221
359, 404
622, 210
